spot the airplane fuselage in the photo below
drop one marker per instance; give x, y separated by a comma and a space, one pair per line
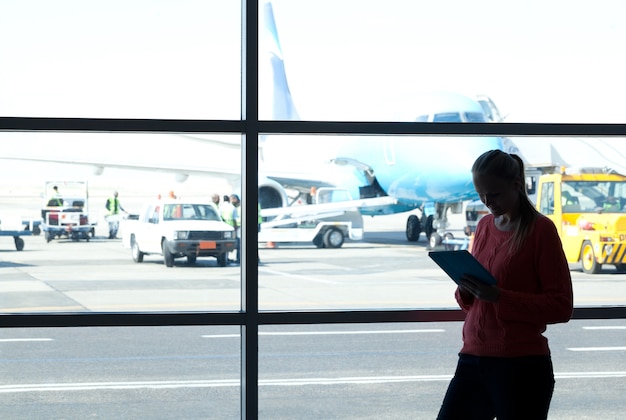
415, 170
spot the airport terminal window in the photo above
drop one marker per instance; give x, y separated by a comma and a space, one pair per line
167, 123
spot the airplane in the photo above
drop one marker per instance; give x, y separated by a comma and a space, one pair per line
432, 175
427, 174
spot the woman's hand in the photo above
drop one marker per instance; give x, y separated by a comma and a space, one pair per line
479, 289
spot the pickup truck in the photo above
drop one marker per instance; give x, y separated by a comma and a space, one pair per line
178, 228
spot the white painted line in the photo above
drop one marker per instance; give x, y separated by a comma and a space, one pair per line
580, 375
24, 286
294, 333
297, 276
90, 386
16, 340
607, 327
351, 332
597, 348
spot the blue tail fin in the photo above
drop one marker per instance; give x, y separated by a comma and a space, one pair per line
275, 102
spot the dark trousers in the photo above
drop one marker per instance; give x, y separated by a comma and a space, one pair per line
499, 387
114, 225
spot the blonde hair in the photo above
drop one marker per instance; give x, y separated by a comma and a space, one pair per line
509, 167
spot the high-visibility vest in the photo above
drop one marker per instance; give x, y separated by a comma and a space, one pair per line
237, 215
113, 205
226, 211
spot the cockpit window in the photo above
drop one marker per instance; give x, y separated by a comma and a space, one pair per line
475, 117
447, 117
454, 117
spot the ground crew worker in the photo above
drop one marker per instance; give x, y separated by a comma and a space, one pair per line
114, 207
236, 218
56, 200
215, 200
226, 211
259, 220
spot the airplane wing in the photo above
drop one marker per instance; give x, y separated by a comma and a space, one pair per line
180, 172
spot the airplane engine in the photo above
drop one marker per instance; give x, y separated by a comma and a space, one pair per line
272, 194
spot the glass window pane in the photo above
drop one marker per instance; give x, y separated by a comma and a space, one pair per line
136, 59
156, 373
90, 251
402, 371
412, 195
537, 62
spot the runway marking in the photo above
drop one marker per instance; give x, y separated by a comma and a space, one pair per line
24, 286
329, 333
596, 348
216, 383
15, 340
606, 327
297, 276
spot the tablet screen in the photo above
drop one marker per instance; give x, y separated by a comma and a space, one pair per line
458, 263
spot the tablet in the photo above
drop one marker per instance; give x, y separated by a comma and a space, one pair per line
458, 263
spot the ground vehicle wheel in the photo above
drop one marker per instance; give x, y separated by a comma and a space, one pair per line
48, 236
168, 258
620, 267
413, 228
588, 259
434, 240
36, 230
19, 243
333, 238
449, 236
191, 259
222, 259
137, 254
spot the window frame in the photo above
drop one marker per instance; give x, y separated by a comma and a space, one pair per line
249, 318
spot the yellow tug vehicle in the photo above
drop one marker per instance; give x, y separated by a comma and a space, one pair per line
588, 207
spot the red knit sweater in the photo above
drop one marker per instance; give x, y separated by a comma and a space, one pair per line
535, 290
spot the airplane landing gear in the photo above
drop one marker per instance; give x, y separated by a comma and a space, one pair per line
432, 225
413, 228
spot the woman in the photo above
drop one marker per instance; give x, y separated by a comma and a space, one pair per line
504, 368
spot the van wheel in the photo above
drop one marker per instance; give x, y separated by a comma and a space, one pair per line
168, 258
333, 238
222, 259
588, 259
191, 259
136, 252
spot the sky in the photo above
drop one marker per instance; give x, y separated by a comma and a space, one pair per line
548, 61
540, 61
